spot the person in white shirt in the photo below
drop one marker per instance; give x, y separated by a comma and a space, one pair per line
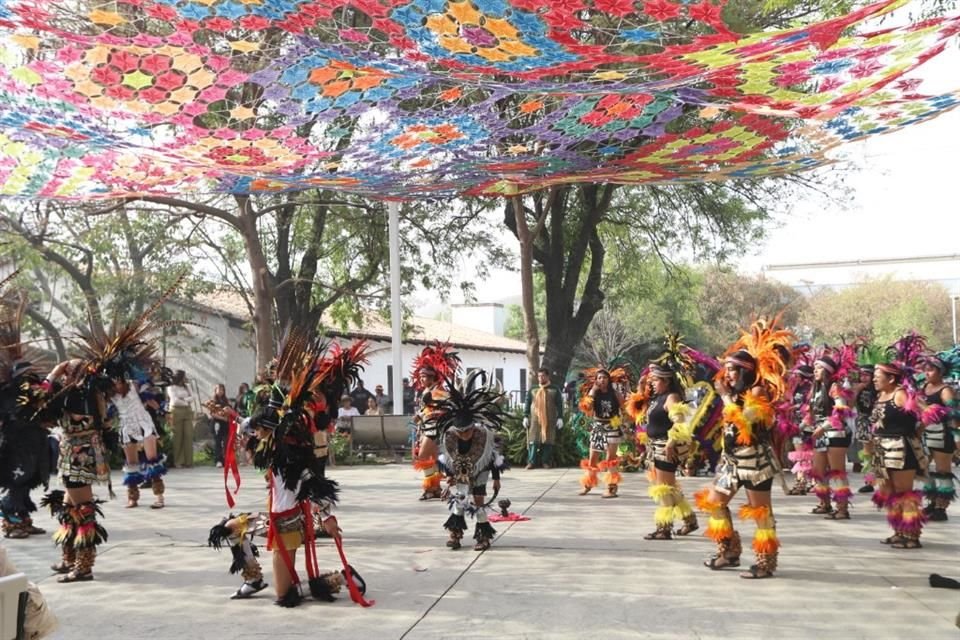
180, 402
136, 430
347, 411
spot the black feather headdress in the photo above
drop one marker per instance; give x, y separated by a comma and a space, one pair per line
474, 404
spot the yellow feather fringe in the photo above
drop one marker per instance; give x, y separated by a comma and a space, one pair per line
719, 529
766, 541
683, 510
659, 492
733, 414
759, 411
663, 516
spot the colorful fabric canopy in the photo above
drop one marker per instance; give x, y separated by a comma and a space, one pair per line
432, 98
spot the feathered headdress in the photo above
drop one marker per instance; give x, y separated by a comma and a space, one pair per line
678, 361
339, 371
619, 370
771, 348
122, 352
870, 354
905, 358
291, 414
467, 406
439, 358
949, 363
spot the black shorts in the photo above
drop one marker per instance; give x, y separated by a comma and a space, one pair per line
663, 465
766, 485
478, 490
839, 443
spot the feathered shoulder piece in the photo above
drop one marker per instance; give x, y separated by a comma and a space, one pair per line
771, 347
441, 358
474, 403
122, 352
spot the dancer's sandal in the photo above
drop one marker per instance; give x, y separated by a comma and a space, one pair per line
73, 576
906, 543
837, 515
756, 573
687, 529
482, 545
894, 539
822, 509
721, 562
659, 534
63, 567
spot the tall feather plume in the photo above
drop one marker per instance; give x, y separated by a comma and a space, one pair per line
122, 350
767, 341
676, 356
339, 370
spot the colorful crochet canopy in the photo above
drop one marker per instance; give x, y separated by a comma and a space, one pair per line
430, 98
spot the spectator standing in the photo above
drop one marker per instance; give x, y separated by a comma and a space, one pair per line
359, 397
180, 401
244, 400
218, 411
384, 403
373, 408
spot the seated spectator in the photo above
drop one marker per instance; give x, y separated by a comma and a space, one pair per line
344, 415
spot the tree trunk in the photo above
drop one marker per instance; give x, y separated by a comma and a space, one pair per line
531, 332
51, 330
262, 282
567, 317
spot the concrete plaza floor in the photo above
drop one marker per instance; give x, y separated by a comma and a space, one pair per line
579, 568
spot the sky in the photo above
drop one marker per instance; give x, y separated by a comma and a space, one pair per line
901, 201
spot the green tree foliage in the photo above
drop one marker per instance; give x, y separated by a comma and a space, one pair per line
84, 272
881, 310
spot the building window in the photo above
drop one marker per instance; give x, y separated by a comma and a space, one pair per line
390, 380
523, 384
498, 374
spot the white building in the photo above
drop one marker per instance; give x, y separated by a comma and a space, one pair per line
223, 350
808, 277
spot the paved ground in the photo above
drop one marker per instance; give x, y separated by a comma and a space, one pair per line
578, 568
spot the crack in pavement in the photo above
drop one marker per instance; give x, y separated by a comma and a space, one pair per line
474, 561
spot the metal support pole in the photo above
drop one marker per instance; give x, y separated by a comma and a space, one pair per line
953, 300
396, 344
